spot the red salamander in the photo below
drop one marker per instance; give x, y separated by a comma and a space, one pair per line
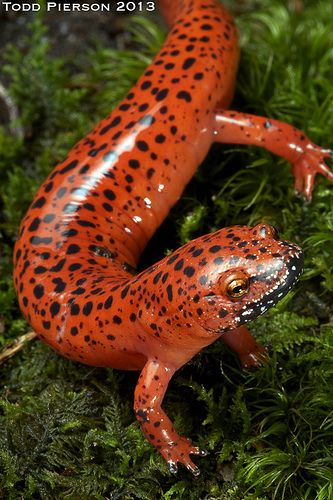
93, 216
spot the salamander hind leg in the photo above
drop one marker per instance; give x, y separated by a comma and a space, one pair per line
280, 138
155, 424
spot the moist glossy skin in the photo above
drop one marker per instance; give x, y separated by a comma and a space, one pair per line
93, 216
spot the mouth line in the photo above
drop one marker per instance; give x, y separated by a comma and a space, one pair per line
257, 307
282, 287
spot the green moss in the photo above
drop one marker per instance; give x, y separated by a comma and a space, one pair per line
68, 430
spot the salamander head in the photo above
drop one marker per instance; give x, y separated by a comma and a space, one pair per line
234, 275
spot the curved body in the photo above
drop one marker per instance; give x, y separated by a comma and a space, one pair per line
93, 216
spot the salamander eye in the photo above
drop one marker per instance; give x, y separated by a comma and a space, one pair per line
237, 287
266, 231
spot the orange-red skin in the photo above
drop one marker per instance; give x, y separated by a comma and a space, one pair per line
93, 216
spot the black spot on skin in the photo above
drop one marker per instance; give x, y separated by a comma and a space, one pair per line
85, 223
39, 291
74, 331
75, 309
124, 107
183, 94
84, 169
61, 285
188, 62
48, 187
75, 267
109, 194
223, 313
160, 138
108, 207
114, 123
146, 85
157, 277
142, 145
69, 167
124, 292
206, 27
132, 317
47, 325
117, 320
89, 206
143, 107
215, 248
165, 277
198, 76
130, 125
134, 164
40, 270
34, 225
116, 135
39, 203
111, 337
169, 292
179, 265
173, 258
54, 309
161, 95
69, 233
189, 271
108, 302
143, 415
197, 252
72, 249
150, 173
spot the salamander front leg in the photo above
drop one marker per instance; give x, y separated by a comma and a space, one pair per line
249, 351
281, 139
155, 424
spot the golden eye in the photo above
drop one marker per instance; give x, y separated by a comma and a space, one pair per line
237, 287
